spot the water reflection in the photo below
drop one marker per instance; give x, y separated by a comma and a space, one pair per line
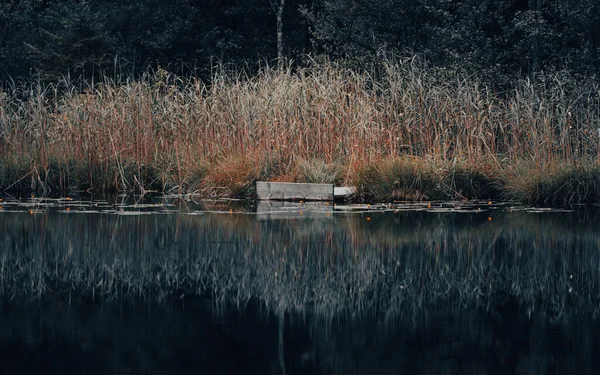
351, 264
59, 337
330, 292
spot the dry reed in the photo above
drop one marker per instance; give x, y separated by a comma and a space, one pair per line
164, 132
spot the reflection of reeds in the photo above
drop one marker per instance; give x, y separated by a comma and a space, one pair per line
346, 266
436, 133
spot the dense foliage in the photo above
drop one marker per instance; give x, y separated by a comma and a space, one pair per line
497, 40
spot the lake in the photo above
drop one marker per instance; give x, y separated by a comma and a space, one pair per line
169, 285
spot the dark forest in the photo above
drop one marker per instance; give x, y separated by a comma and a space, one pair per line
496, 40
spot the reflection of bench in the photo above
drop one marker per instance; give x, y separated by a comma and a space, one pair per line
281, 210
289, 191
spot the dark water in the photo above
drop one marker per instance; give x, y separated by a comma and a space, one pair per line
175, 287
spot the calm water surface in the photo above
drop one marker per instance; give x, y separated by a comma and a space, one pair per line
172, 286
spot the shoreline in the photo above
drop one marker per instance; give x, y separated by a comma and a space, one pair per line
391, 179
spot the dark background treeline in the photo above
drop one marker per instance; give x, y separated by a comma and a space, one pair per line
496, 40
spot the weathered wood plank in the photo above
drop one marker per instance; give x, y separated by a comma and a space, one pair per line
293, 191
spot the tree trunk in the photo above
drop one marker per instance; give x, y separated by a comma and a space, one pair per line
278, 8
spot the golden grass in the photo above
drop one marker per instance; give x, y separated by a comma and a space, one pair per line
318, 123
234, 177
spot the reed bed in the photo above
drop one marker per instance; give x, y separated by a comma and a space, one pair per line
318, 123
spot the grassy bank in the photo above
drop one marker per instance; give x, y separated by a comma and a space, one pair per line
406, 131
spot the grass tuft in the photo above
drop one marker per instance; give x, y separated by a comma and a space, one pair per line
318, 171
468, 181
401, 178
561, 185
235, 177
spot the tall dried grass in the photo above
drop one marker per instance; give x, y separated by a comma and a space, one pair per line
181, 130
